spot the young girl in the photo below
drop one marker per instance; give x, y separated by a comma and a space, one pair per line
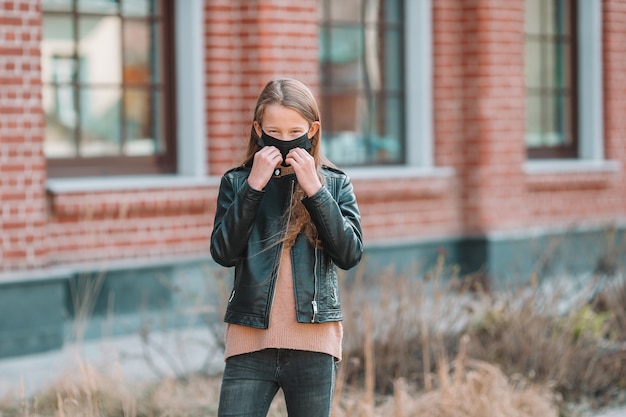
284, 220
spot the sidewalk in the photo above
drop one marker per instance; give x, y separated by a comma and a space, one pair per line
617, 412
179, 352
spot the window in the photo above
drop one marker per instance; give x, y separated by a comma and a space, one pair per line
551, 78
108, 85
362, 59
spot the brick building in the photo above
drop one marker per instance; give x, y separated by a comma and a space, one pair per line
491, 131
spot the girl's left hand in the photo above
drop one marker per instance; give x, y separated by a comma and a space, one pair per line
304, 166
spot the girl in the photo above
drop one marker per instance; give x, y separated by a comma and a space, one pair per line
284, 219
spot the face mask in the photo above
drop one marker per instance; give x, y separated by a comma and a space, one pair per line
284, 146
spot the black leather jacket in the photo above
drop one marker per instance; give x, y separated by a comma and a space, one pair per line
248, 223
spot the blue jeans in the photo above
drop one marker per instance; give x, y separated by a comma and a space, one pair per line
251, 381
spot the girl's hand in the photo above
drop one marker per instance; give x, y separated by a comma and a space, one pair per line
263, 165
304, 166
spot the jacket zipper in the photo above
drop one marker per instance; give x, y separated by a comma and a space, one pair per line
314, 302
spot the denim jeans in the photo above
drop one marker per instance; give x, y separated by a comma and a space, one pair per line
251, 381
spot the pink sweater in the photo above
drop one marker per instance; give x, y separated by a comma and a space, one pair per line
284, 331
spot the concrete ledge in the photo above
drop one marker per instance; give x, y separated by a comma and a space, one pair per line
121, 183
505, 260
35, 275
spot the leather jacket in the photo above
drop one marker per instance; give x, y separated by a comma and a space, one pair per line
248, 223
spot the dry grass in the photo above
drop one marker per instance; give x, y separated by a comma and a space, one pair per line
465, 388
579, 352
91, 392
468, 388
514, 354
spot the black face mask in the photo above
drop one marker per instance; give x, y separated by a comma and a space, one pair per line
284, 146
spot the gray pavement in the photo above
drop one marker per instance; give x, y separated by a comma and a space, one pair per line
616, 412
167, 354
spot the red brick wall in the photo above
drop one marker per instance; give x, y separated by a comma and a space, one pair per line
614, 37
225, 103
100, 226
493, 114
401, 209
22, 164
478, 122
249, 43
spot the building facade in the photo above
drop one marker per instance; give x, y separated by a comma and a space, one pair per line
491, 132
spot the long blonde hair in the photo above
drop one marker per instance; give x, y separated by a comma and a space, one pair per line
294, 95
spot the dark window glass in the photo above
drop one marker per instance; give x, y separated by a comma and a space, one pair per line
361, 53
550, 64
108, 84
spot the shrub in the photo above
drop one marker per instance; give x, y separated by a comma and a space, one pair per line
523, 332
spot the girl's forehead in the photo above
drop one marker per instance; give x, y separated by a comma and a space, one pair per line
280, 115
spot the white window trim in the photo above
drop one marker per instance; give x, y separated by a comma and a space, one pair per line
190, 97
418, 53
419, 131
590, 97
570, 166
190, 115
590, 101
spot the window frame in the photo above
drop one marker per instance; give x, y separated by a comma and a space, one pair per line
158, 163
191, 115
419, 61
569, 150
591, 155
379, 96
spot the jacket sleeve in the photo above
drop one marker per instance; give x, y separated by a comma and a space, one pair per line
338, 223
234, 218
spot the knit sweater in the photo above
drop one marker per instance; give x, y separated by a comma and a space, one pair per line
284, 331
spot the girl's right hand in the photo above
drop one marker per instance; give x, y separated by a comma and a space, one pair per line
265, 161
